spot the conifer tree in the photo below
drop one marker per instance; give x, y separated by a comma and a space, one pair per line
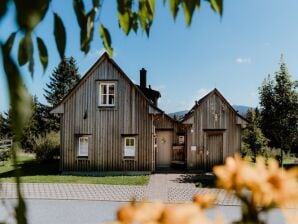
279, 109
63, 78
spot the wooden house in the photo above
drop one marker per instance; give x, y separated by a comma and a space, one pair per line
213, 131
108, 123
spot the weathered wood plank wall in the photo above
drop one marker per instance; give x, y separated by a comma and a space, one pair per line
106, 126
212, 115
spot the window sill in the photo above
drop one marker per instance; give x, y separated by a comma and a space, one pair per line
129, 158
82, 158
106, 108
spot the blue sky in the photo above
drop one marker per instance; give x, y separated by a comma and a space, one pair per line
233, 53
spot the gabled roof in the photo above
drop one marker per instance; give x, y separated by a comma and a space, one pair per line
200, 102
104, 57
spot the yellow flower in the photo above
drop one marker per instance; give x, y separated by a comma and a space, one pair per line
204, 201
140, 212
268, 185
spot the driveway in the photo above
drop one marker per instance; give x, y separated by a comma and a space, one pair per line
169, 188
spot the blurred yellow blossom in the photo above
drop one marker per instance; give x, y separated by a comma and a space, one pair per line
267, 185
156, 212
204, 201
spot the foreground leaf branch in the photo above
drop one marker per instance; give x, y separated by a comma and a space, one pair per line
20, 107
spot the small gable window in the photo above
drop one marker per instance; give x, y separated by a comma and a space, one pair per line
83, 146
129, 147
107, 93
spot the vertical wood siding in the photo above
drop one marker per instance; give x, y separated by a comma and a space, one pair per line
211, 116
163, 122
105, 126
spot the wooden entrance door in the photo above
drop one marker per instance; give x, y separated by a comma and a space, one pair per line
214, 152
164, 146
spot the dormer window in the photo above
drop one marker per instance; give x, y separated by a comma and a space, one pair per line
107, 94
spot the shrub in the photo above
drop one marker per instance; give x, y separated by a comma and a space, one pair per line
47, 148
4, 154
268, 153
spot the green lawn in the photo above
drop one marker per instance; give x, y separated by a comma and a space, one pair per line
35, 172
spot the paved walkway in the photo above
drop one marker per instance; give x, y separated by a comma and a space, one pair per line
168, 188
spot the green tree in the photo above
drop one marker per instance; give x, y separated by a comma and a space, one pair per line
37, 125
252, 135
31, 128
279, 109
63, 79
5, 131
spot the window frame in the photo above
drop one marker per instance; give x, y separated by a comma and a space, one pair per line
79, 154
108, 94
134, 147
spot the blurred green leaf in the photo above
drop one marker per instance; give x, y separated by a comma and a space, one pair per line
146, 14
174, 7
96, 3
106, 39
3, 7
20, 100
43, 53
217, 6
87, 31
134, 20
30, 12
86, 23
31, 66
124, 15
60, 35
22, 52
79, 9
10, 41
25, 52
188, 9
20, 104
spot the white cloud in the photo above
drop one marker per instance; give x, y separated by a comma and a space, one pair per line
241, 60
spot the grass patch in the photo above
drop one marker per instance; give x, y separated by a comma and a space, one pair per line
33, 171
114, 180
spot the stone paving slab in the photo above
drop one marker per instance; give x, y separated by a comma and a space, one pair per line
163, 187
75, 191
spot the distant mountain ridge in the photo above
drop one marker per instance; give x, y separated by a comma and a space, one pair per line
242, 110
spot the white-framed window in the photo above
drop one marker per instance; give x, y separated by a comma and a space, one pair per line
83, 146
107, 94
129, 147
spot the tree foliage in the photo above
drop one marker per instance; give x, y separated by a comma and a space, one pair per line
279, 109
252, 135
63, 79
5, 131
